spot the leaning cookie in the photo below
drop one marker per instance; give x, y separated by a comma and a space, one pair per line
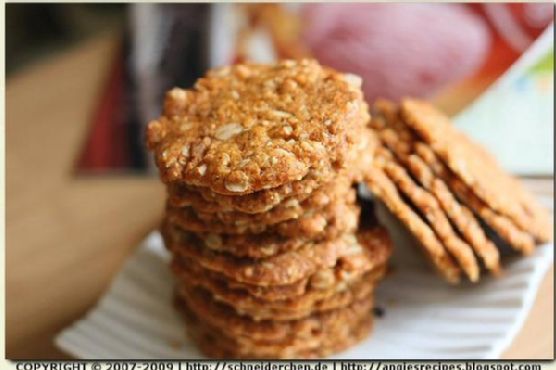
460, 215
431, 211
379, 183
403, 145
417, 141
477, 169
503, 226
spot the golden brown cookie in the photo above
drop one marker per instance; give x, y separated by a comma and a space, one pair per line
281, 269
347, 270
437, 205
477, 169
315, 300
331, 344
226, 319
312, 224
427, 207
254, 203
333, 191
386, 191
503, 226
398, 138
326, 289
217, 343
256, 245
204, 200
325, 281
343, 275
251, 127
214, 344
461, 216
268, 293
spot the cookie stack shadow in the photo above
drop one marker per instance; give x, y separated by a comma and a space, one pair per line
268, 253
462, 208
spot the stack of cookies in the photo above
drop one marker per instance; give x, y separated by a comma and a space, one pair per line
260, 164
452, 195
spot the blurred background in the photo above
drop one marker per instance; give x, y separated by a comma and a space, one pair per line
84, 79
449, 53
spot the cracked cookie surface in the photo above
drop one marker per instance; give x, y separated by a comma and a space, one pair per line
251, 127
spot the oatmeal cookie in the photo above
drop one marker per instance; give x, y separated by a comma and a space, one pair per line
217, 343
261, 245
477, 169
315, 300
379, 183
343, 275
428, 207
251, 127
284, 268
226, 319
407, 149
459, 214
311, 224
503, 226
347, 270
203, 199
330, 192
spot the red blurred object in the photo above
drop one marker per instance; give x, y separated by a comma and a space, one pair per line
423, 49
107, 144
398, 49
503, 19
517, 24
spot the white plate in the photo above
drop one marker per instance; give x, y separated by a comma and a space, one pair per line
424, 317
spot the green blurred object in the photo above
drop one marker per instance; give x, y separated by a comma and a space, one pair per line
546, 64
